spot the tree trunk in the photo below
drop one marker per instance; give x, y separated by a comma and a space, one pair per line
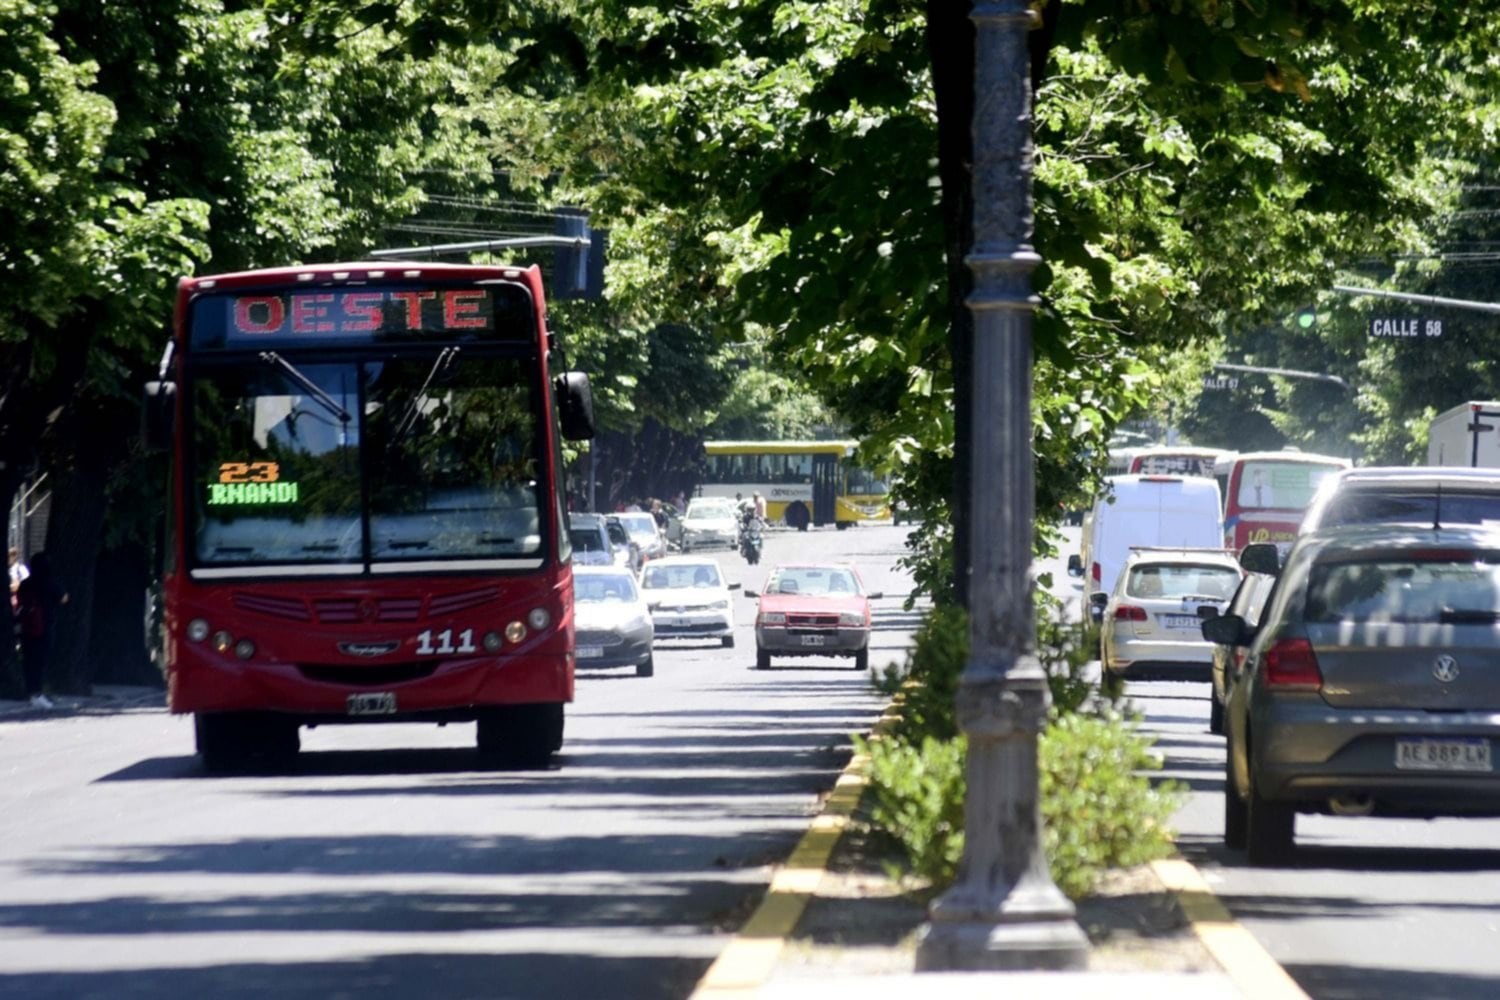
118, 638
74, 536
950, 44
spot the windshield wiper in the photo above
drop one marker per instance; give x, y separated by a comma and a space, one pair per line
445, 357
1468, 616
313, 389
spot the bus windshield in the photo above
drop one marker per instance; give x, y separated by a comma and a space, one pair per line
338, 464
1273, 485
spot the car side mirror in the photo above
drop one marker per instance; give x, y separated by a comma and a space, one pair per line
750, 593
575, 406
1260, 557
1075, 565
734, 586
1207, 611
1225, 630
1098, 601
876, 595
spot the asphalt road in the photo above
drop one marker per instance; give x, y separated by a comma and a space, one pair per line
388, 864
1370, 907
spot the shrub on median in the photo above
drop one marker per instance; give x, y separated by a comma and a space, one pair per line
1099, 806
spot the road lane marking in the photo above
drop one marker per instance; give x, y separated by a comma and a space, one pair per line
1243, 958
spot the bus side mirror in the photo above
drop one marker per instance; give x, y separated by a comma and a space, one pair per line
575, 406
1098, 601
1260, 557
158, 413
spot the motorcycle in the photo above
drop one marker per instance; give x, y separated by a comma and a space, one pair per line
750, 540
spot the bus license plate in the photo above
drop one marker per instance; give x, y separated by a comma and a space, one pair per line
1443, 755
812, 640
372, 703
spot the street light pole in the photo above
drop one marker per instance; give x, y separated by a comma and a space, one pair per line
1003, 911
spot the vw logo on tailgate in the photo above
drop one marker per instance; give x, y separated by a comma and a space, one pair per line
1445, 668
365, 650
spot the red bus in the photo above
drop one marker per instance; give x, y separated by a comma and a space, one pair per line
1176, 460
364, 516
1267, 492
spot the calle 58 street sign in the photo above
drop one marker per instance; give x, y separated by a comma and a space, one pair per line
1386, 326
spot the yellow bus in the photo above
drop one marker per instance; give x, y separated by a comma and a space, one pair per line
803, 482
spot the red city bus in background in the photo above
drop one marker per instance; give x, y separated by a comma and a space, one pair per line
364, 519
1176, 460
1267, 492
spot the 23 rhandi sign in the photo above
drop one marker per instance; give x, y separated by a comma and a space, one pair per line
1404, 327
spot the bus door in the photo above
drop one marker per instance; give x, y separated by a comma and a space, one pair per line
825, 475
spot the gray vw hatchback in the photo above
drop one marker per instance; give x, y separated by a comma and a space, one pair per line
1372, 684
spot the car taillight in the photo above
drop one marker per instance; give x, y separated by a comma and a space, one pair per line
1129, 613
1291, 665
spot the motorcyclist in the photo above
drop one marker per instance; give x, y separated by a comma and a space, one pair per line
750, 528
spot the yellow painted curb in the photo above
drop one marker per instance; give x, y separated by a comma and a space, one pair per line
1249, 966
745, 965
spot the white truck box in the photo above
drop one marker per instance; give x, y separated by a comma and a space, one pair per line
1156, 511
1467, 435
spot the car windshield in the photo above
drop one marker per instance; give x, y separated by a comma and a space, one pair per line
705, 512
814, 581
1176, 580
591, 588
1354, 506
323, 463
659, 577
641, 527
1453, 590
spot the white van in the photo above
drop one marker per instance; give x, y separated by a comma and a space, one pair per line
1155, 511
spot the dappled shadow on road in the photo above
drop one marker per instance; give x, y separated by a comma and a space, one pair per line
451, 976
1354, 982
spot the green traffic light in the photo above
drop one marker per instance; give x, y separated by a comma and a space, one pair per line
1306, 318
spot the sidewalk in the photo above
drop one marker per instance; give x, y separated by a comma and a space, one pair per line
105, 699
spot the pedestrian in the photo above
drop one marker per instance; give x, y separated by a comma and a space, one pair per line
18, 572
760, 505
659, 514
40, 598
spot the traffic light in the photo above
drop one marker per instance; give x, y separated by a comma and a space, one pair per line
578, 272
1307, 317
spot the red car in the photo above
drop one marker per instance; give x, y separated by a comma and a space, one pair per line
813, 610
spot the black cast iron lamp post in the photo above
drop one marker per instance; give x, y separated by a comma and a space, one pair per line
1003, 911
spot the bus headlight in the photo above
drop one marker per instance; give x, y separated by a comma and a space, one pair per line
197, 630
538, 619
244, 649
515, 632
493, 642
223, 641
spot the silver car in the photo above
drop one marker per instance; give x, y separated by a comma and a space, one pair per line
612, 621
1372, 684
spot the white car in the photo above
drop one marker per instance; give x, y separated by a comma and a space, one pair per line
688, 599
1150, 626
710, 521
611, 620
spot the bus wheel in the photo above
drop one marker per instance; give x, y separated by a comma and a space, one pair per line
220, 738
520, 736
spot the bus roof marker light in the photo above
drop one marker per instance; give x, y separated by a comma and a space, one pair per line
414, 273
372, 275
340, 275
208, 283
306, 276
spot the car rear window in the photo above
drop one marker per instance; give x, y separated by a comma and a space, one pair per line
1174, 580
587, 539
1369, 507
588, 587
1450, 590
